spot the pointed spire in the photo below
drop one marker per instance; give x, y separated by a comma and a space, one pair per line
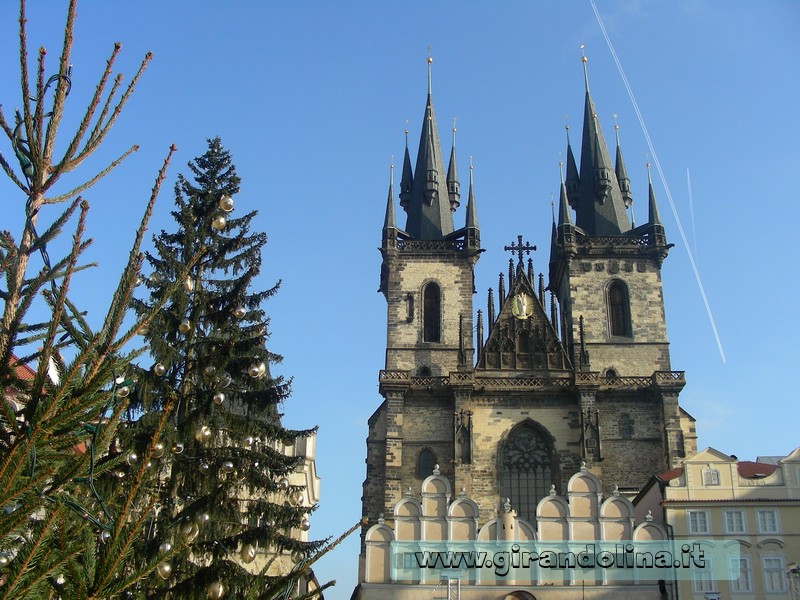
407, 180
600, 207
452, 175
656, 233
389, 221
563, 204
389, 225
621, 172
573, 180
429, 214
652, 207
472, 211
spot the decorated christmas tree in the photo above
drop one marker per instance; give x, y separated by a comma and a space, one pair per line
231, 515
65, 384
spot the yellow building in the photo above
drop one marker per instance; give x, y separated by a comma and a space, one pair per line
752, 505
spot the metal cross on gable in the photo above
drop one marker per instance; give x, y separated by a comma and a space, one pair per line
519, 248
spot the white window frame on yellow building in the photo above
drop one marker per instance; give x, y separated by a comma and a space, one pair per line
774, 575
690, 526
761, 525
727, 523
737, 571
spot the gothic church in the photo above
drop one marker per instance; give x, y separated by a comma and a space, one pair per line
509, 402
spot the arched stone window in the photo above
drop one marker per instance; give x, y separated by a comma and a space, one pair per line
431, 313
528, 467
619, 312
626, 426
425, 463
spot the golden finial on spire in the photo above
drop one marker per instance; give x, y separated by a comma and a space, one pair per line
616, 128
585, 72
429, 60
454, 131
561, 170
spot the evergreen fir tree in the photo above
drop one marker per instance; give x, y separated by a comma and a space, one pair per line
61, 536
227, 521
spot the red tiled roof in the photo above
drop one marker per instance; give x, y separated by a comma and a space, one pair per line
754, 470
670, 475
747, 470
21, 370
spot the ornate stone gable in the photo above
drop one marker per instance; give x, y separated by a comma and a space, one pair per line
522, 338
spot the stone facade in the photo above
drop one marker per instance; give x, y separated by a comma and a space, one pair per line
511, 400
751, 506
425, 519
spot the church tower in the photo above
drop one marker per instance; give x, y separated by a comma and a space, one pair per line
427, 280
548, 380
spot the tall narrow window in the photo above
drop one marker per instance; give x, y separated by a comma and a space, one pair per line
626, 426
425, 463
527, 470
432, 313
619, 315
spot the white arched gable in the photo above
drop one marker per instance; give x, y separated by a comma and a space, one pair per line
463, 508
408, 507
616, 507
380, 534
649, 531
552, 507
436, 485
584, 482
378, 541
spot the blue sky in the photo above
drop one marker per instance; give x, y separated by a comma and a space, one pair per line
311, 98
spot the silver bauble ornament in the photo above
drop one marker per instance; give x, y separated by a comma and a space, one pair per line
185, 326
284, 484
119, 474
209, 370
158, 450
226, 203
215, 591
218, 224
239, 312
189, 531
227, 467
159, 369
202, 434
4, 559
104, 536
177, 447
247, 554
297, 498
248, 442
305, 524
205, 468
201, 518
124, 391
254, 370
188, 284
165, 547
131, 459
164, 570
219, 398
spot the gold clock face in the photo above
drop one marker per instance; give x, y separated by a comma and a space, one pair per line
522, 306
